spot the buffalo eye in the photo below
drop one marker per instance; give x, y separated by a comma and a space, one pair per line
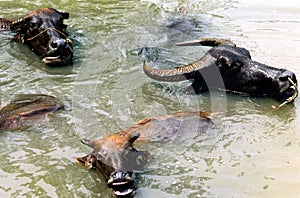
102, 154
140, 160
34, 23
230, 63
223, 61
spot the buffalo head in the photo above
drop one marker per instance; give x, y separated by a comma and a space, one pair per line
238, 72
28, 110
116, 159
44, 32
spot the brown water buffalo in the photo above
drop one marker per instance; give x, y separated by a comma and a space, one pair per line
44, 32
27, 110
115, 157
230, 68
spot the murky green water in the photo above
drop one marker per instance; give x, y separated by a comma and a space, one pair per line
249, 152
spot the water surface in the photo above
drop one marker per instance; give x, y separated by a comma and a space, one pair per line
250, 151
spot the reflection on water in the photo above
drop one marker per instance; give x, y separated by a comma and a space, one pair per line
250, 150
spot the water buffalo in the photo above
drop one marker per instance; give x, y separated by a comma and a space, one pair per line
231, 68
115, 157
27, 110
44, 32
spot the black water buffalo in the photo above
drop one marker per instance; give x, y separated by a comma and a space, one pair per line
27, 110
44, 32
230, 68
115, 157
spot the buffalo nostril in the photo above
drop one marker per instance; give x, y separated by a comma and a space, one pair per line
284, 78
58, 44
53, 45
290, 91
286, 75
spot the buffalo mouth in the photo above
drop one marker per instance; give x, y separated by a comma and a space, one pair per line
60, 55
56, 60
52, 60
121, 183
289, 93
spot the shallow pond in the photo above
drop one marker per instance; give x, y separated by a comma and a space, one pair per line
250, 151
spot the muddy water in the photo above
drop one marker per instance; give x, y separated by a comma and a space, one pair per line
250, 151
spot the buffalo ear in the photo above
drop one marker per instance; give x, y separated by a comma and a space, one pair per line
130, 140
133, 137
18, 25
65, 15
87, 142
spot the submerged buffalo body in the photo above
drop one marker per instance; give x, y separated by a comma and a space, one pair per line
115, 157
27, 110
231, 68
44, 32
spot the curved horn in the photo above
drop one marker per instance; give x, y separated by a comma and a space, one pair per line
5, 23
207, 42
131, 139
179, 73
65, 15
18, 25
